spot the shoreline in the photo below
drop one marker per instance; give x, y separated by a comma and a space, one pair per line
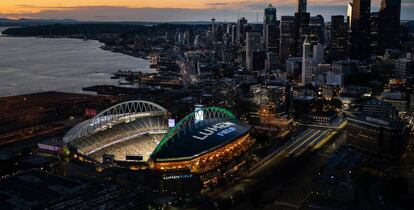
104, 45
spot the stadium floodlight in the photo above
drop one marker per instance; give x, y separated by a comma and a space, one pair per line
199, 113
171, 123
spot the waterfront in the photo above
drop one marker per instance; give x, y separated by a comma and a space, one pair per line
29, 65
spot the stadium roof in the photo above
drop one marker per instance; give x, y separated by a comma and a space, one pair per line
198, 133
123, 112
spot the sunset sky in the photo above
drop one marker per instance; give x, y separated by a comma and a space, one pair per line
170, 10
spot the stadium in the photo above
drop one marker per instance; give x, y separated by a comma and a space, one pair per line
137, 133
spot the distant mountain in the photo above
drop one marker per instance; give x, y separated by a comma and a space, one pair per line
27, 22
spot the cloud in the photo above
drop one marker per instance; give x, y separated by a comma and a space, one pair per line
215, 9
29, 6
215, 4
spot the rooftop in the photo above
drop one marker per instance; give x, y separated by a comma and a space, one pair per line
379, 121
202, 138
34, 187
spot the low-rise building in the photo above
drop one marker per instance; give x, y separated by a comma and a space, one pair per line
377, 135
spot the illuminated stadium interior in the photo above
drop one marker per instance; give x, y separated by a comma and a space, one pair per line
132, 128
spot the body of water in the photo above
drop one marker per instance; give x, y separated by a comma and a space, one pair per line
29, 65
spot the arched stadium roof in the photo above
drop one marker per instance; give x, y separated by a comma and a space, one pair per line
193, 120
119, 113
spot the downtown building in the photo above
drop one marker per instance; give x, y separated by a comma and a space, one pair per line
338, 41
294, 30
242, 28
404, 67
271, 37
270, 29
377, 136
287, 38
254, 55
359, 23
306, 64
388, 26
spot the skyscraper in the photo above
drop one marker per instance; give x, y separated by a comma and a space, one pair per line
318, 54
269, 15
302, 23
314, 31
272, 60
301, 6
252, 45
374, 29
349, 15
388, 25
287, 38
360, 29
241, 31
306, 63
270, 29
338, 43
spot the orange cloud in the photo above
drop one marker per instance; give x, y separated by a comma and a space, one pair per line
24, 6
161, 9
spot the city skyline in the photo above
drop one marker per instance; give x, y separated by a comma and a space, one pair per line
183, 10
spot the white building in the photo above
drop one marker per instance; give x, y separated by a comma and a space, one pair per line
306, 64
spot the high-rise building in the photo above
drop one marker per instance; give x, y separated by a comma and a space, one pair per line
272, 38
388, 26
317, 25
312, 28
301, 6
269, 15
374, 29
306, 63
258, 60
301, 31
234, 30
338, 43
318, 54
314, 31
294, 68
404, 68
272, 60
349, 15
252, 45
287, 38
241, 31
270, 29
360, 29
